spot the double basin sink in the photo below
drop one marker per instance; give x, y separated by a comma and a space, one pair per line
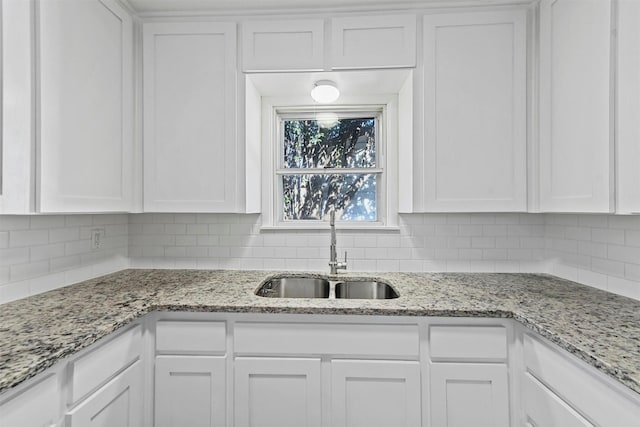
316, 287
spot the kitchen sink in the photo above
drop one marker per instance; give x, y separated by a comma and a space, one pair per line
364, 290
295, 287
317, 287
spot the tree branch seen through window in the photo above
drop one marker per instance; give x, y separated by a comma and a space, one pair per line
343, 149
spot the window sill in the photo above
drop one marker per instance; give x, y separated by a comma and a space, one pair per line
325, 227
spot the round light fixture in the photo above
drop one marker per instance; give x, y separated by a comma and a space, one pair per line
325, 91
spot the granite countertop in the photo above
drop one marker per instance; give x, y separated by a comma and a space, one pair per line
600, 328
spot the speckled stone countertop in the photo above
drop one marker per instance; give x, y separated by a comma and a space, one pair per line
600, 328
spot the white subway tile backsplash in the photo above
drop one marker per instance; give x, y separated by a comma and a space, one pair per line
11, 222
46, 221
599, 250
20, 238
13, 256
471, 230
607, 235
624, 287
629, 222
632, 272
44, 252
203, 252
483, 242
27, 271
67, 234
593, 221
494, 230
632, 238
607, 266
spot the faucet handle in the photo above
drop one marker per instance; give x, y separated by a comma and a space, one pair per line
345, 257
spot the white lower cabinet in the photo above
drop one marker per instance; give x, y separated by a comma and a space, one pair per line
469, 394
38, 406
560, 390
263, 370
369, 393
117, 403
190, 391
277, 392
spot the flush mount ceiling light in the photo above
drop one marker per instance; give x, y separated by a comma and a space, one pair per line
325, 91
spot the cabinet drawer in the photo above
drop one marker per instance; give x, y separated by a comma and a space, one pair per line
117, 403
460, 343
336, 339
599, 399
190, 337
38, 406
95, 368
543, 408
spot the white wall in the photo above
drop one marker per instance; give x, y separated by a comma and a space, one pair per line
39, 253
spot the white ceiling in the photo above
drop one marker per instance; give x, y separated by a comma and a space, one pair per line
150, 6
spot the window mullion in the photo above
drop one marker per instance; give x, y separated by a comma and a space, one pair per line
341, 171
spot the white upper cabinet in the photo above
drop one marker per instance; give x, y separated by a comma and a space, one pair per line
383, 41
474, 128
17, 141
294, 45
575, 172
85, 108
628, 108
190, 144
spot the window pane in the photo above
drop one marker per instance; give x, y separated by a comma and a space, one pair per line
330, 143
312, 196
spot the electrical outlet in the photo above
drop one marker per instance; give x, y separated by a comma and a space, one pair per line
97, 234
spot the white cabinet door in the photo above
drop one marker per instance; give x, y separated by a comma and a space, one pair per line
294, 45
474, 112
118, 403
17, 139
190, 391
190, 150
85, 106
383, 41
277, 392
628, 107
544, 408
368, 393
38, 406
469, 395
575, 149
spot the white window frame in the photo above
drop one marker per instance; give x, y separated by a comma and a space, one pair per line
383, 106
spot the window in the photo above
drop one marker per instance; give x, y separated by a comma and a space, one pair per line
330, 160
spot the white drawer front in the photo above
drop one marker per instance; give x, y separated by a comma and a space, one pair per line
335, 339
95, 368
602, 401
38, 406
543, 408
462, 343
191, 337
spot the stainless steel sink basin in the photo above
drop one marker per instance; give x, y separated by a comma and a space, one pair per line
365, 290
318, 287
295, 287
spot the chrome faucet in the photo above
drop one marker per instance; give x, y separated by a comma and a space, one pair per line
334, 264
